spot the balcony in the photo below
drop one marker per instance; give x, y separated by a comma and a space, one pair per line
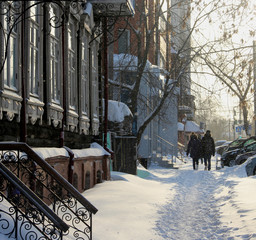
110, 8
187, 106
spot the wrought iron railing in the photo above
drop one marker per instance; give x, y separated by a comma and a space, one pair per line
24, 215
65, 200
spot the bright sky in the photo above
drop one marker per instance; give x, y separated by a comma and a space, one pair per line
210, 32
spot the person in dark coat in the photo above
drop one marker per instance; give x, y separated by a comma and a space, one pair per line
194, 150
201, 157
208, 147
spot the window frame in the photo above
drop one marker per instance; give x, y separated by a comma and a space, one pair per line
8, 82
85, 74
34, 51
55, 58
72, 64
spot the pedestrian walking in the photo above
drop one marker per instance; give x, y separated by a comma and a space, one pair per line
201, 157
208, 148
194, 149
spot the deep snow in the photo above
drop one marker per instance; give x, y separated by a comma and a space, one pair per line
180, 204
176, 204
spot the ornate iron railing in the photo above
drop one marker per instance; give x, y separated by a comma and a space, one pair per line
65, 200
24, 215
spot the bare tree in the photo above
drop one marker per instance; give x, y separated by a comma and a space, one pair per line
229, 58
178, 34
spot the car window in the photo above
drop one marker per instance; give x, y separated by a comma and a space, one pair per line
249, 141
251, 147
236, 143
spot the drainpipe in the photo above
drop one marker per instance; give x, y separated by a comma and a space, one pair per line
105, 59
23, 126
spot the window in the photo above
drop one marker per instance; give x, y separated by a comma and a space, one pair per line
123, 41
10, 70
72, 64
84, 75
94, 97
94, 100
34, 42
55, 78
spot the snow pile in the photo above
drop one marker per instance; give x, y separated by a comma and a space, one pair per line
176, 204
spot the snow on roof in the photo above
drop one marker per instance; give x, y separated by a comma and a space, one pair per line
180, 126
190, 126
157, 70
51, 152
94, 150
117, 111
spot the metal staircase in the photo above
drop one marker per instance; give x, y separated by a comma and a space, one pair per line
25, 216
34, 178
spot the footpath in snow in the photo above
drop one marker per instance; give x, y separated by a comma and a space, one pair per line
178, 204
174, 204
194, 212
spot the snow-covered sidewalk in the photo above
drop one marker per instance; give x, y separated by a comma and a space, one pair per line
176, 204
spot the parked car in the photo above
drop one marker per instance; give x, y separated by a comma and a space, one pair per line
219, 143
250, 166
235, 148
247, 152
220, 149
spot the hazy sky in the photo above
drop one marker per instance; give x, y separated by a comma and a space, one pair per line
210, 31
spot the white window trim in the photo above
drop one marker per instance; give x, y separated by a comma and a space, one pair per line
34, 47
55, 59
72, 67
7, 68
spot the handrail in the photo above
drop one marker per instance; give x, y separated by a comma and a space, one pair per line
165, 141
25, 148
33, 198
